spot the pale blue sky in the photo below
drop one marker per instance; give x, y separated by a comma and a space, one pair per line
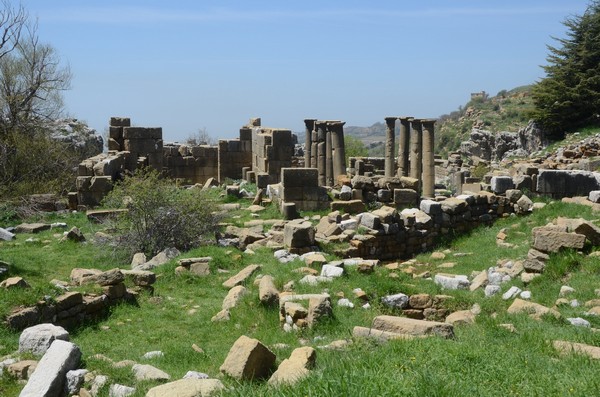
184, 65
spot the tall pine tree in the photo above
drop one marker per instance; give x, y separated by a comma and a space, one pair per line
569, 96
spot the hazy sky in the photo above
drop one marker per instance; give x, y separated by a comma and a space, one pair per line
185, 65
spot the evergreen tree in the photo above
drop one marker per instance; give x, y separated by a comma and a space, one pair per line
569, 96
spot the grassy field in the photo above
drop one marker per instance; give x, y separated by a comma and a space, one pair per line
483, 359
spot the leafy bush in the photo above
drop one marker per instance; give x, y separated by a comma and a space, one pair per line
160, 215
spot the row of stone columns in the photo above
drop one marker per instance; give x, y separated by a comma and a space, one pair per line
415, 151
324, 149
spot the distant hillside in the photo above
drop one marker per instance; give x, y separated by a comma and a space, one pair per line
507, 111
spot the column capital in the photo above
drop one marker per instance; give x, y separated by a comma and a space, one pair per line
390, 118
428, 122
405, 118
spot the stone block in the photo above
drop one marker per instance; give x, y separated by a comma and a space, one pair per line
594, 196
348, 207
299, 234
405, 196
552, 241
431, 207
189, 387
299, 177
567, 183
37, 339
501, 184
120, 122
49, 377
142, 133
403, 325
248, 359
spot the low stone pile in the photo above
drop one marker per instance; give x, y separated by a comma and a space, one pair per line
72, 308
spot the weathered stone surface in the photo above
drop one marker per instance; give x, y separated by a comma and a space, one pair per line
234, 296
381, 336
549, 240
348, 207
461, 317
481, 280
454, 205
188, 387
298, 234
500, 184
148, 372
6, 235
32, 228
37, 339
295, 368
160, 259
594, 196
566, 183
117, 390
396, 301
267, 291
49, 377
78, 275
581, 226
534, 310
109, 277
319, 307
332, 271
403, 325
248, 359
138, 260
566, 347
14, 282
420, 301
141, 278
22, 369
242, 276
68, 300
75, 379
452, 282
74, 235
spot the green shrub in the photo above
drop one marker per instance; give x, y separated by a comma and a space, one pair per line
160, 215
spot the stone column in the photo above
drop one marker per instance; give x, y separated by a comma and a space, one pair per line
403, 145
314, 156
428, 182
415, 152
328, 159
339, 148
390, 145
310, 126
321, 127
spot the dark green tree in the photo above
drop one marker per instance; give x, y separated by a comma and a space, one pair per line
569, 96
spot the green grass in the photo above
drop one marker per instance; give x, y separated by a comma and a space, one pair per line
483, 359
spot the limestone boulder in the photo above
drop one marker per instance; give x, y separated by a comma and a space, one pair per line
409, 326
148, 372
267, 291
37, 339
242, 276
189, 387
293, 369
49, 377
581, 226
248, 359
14, 282
534, 310
566, 347
298, 234
551, 240
234, 296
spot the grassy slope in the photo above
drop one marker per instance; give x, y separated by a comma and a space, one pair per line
483, 359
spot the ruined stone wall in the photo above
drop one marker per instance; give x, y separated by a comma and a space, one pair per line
367, 164
391, 234
272, 150
191, 163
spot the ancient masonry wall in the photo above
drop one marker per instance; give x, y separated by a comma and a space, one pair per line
272, 150
391, 234
191, 163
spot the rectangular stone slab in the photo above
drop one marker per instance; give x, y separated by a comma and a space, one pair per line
48, 378
409, 326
